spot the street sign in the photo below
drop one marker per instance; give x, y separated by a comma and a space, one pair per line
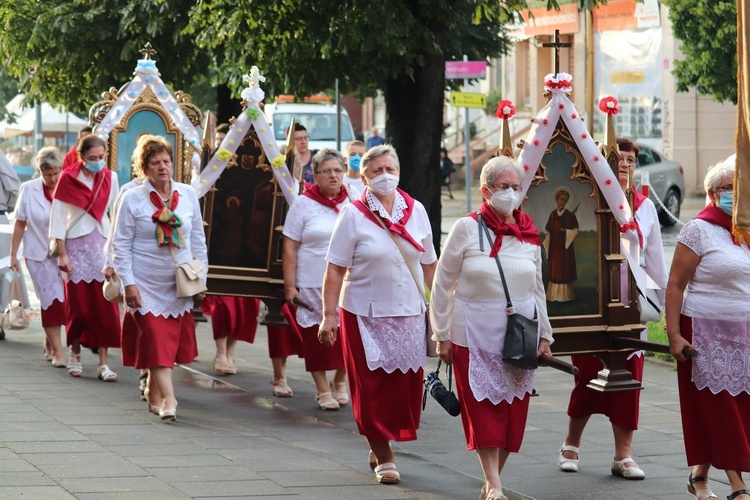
465, 69
468, 100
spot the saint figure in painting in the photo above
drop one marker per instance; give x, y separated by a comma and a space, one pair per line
562, 229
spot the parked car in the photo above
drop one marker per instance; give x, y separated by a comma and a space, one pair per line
318, 116
667, 181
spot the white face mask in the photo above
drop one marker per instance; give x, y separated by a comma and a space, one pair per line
384, 184
504, 200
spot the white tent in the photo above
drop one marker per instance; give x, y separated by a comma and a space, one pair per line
53, 120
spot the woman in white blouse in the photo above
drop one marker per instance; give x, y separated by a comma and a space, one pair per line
307, 232
381, 310
468, 317
144, 259
712, 265
79, 224
32, 226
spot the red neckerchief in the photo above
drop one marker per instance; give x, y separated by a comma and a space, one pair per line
314, 194
715, 215
167, 222
523, 229
397, 227
637, 202
70, 190
47, 193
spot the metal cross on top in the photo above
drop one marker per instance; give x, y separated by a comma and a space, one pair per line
557, 45
147, 51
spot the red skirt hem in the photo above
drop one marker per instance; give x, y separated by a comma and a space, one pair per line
320, 357
162, 342
91, 319
54, 315
285, 341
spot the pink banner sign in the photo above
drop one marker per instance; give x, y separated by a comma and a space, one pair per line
465, 69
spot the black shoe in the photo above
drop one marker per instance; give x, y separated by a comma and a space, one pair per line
95, 350
2, 334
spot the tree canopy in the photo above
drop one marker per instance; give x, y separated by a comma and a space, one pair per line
708, 32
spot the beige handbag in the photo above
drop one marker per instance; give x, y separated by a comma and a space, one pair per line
14, 317
190, 277
112, 290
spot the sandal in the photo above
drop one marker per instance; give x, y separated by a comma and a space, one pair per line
223, 367
75, 369
326, 402
387, 474
496, 494
341, 397
142, 384
568, 464
737, 493
281, 389
699, 494
373, 460
105, 374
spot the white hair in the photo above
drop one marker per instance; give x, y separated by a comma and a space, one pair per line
497, 166
717, 173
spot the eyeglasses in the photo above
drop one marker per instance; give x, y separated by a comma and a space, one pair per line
514, 187
630, 162
328, 171
724, 189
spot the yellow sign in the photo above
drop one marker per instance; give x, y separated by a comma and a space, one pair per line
468, 100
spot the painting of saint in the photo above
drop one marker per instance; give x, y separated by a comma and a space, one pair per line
562, 229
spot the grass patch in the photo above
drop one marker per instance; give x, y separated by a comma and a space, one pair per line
657, 334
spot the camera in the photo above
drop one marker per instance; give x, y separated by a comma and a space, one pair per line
443, 396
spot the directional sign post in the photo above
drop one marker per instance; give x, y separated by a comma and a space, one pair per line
468, 100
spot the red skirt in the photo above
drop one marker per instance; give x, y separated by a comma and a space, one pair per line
320, 357
285, 341
162, 342
54, 315
236, 317
386, 406
91, 319
129, 339
487, 425
622, 407
716, 427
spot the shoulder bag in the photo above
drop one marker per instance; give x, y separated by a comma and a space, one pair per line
445, 397
190, 276
53, 250
431, 344
14, 317
112, 290
521, 333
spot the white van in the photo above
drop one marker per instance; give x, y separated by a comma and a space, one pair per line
318, 116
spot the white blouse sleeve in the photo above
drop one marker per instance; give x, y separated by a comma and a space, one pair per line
343, 239
197, 233
122, 243
58, 220
294, 224
656, 267
446, 278
540, 296
21, 209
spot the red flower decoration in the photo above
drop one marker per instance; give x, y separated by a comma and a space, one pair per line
536, 142
562, 106
584, 136
505, 109
596, 158
609, 105
525, 167
609, 181
621, 207
573, 116
545, 121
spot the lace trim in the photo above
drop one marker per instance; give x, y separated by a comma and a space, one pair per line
314, 297
48, 281
158, 306
399, 205
86, 253
393, 343
723, 361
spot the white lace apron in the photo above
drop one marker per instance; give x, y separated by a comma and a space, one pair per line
48, 281
393, 343
489, 377
314, 297
723, 360
86, 254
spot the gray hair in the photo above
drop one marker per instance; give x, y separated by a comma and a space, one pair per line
376, 151
49, 158
323, 156
716, 174
497, 166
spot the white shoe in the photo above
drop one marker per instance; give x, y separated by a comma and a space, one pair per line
568, 464
619, 469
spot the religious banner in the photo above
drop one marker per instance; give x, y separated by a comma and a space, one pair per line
741, 216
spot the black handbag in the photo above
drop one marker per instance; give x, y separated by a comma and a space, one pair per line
521, 333
437, 390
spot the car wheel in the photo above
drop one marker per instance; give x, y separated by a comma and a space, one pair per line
672, 203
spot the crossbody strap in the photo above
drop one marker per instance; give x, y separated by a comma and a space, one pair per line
403, 253
483, 226
80, 216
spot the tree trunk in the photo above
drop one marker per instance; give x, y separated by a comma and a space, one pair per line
414, 126
227, 107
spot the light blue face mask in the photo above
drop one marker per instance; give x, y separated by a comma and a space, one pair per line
354, 161
94, 166
726, 201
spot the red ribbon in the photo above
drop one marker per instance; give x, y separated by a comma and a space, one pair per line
523, 229
715, 215
397, 227
313, 192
